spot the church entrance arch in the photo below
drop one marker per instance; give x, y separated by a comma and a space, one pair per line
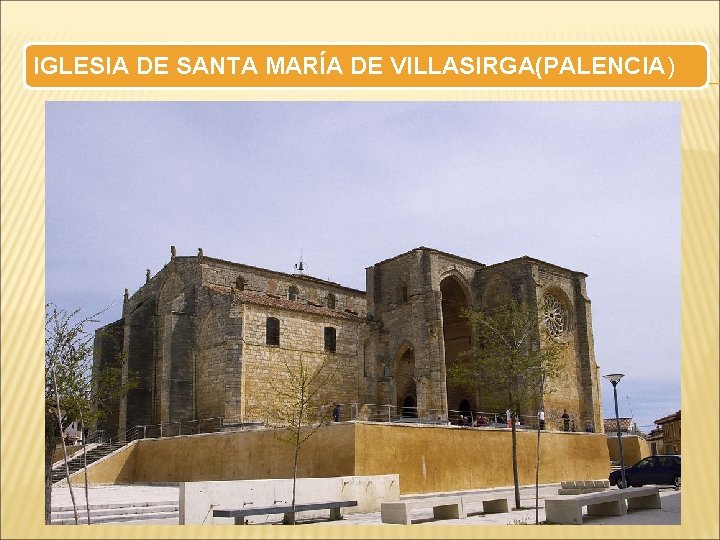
406, 400
456, 337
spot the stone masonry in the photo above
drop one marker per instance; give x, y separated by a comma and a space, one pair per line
210, 338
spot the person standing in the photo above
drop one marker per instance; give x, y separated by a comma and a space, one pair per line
566, 420
336, 413
508, 414
541, 417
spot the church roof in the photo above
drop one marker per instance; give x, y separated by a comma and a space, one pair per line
432, 250
269, 300
302, 277
527, 259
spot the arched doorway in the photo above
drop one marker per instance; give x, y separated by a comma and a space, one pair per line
456, 337
409, 406
405, 383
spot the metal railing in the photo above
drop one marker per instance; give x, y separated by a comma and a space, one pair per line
355, 411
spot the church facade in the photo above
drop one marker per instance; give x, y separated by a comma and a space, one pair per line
209, 338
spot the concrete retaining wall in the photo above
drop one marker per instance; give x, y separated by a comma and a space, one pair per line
634, 449
426, 458
197, 499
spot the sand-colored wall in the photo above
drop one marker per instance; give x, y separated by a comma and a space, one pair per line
244, 455
444, 458
634, 449
426, 458
116, 468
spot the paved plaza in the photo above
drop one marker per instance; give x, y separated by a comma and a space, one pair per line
669, 514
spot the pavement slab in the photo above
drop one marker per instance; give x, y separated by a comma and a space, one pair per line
669, 514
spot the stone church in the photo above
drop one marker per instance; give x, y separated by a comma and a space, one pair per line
209, 338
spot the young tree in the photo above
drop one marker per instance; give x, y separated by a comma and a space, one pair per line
299, 389
508, 360
69, 385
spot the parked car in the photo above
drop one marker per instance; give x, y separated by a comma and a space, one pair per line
650, 470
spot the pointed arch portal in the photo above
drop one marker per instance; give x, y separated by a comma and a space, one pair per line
405, 383
456, 337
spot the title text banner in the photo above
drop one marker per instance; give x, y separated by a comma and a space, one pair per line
372, 66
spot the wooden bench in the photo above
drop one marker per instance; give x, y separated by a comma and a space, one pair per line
443, 508
240, 513
489, 506
567, 509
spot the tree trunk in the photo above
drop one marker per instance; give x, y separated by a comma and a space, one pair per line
537, 472
60, 426
516, 478
84, 443
51, 441
291, 519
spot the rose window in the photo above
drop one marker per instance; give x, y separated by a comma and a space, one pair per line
555, 316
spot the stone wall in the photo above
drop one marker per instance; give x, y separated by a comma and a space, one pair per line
109, 354
270, 372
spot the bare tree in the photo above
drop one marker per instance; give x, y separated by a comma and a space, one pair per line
69, 387
508, 359
299, 389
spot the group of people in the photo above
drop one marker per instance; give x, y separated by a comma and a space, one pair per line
479, 421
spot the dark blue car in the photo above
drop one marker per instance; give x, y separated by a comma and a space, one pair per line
660, 470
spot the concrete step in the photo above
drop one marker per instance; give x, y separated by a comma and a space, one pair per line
76, 463
116, 512
118, 518
127, 511
114, 506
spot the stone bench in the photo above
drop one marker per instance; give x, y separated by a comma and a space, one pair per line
443, 508
239, 514
641, 497
567, 509
578, 487
489, 506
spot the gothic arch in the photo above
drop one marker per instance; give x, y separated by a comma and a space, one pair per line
404, 373
461, 282
456, 331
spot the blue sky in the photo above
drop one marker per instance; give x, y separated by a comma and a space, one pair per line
591, 186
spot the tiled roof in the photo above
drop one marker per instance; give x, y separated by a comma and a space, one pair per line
668, 418
264, 299
299, 277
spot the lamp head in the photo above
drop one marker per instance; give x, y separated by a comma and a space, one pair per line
614, 378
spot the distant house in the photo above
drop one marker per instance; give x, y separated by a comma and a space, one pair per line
626, 425
670, 429
655, 440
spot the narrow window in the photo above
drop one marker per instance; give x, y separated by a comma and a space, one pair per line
240, 283
330, 339
403, 292
330, 301
293, 293
272, 331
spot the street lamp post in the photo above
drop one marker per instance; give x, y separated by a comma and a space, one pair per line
614, 379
